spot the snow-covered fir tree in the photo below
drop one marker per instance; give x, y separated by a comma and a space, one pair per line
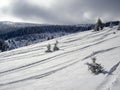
98, 25
55, 48
118, 26
111, 25
48, 48
94, 67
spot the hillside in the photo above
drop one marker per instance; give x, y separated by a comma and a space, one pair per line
18, 34
8, 26
30, 68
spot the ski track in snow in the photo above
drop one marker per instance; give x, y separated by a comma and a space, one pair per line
34, 54
91, 35
110, 78
40, 75
47, 59
66, 43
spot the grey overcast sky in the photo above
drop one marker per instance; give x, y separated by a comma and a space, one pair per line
59, 11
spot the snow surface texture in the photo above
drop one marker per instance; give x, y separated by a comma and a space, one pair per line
30, 68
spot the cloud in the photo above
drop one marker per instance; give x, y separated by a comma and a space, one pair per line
64, 11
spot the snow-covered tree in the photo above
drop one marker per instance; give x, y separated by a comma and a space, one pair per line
95, 67
52, 37
55, 48
98, 25
48, 48
27, 43
48, 38
111, 25
3, 45
118, 26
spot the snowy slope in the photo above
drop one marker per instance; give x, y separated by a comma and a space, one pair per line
30, 68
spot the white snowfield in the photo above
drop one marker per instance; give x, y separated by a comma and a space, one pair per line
30, 68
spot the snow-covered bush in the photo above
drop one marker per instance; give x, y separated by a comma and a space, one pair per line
114, 32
